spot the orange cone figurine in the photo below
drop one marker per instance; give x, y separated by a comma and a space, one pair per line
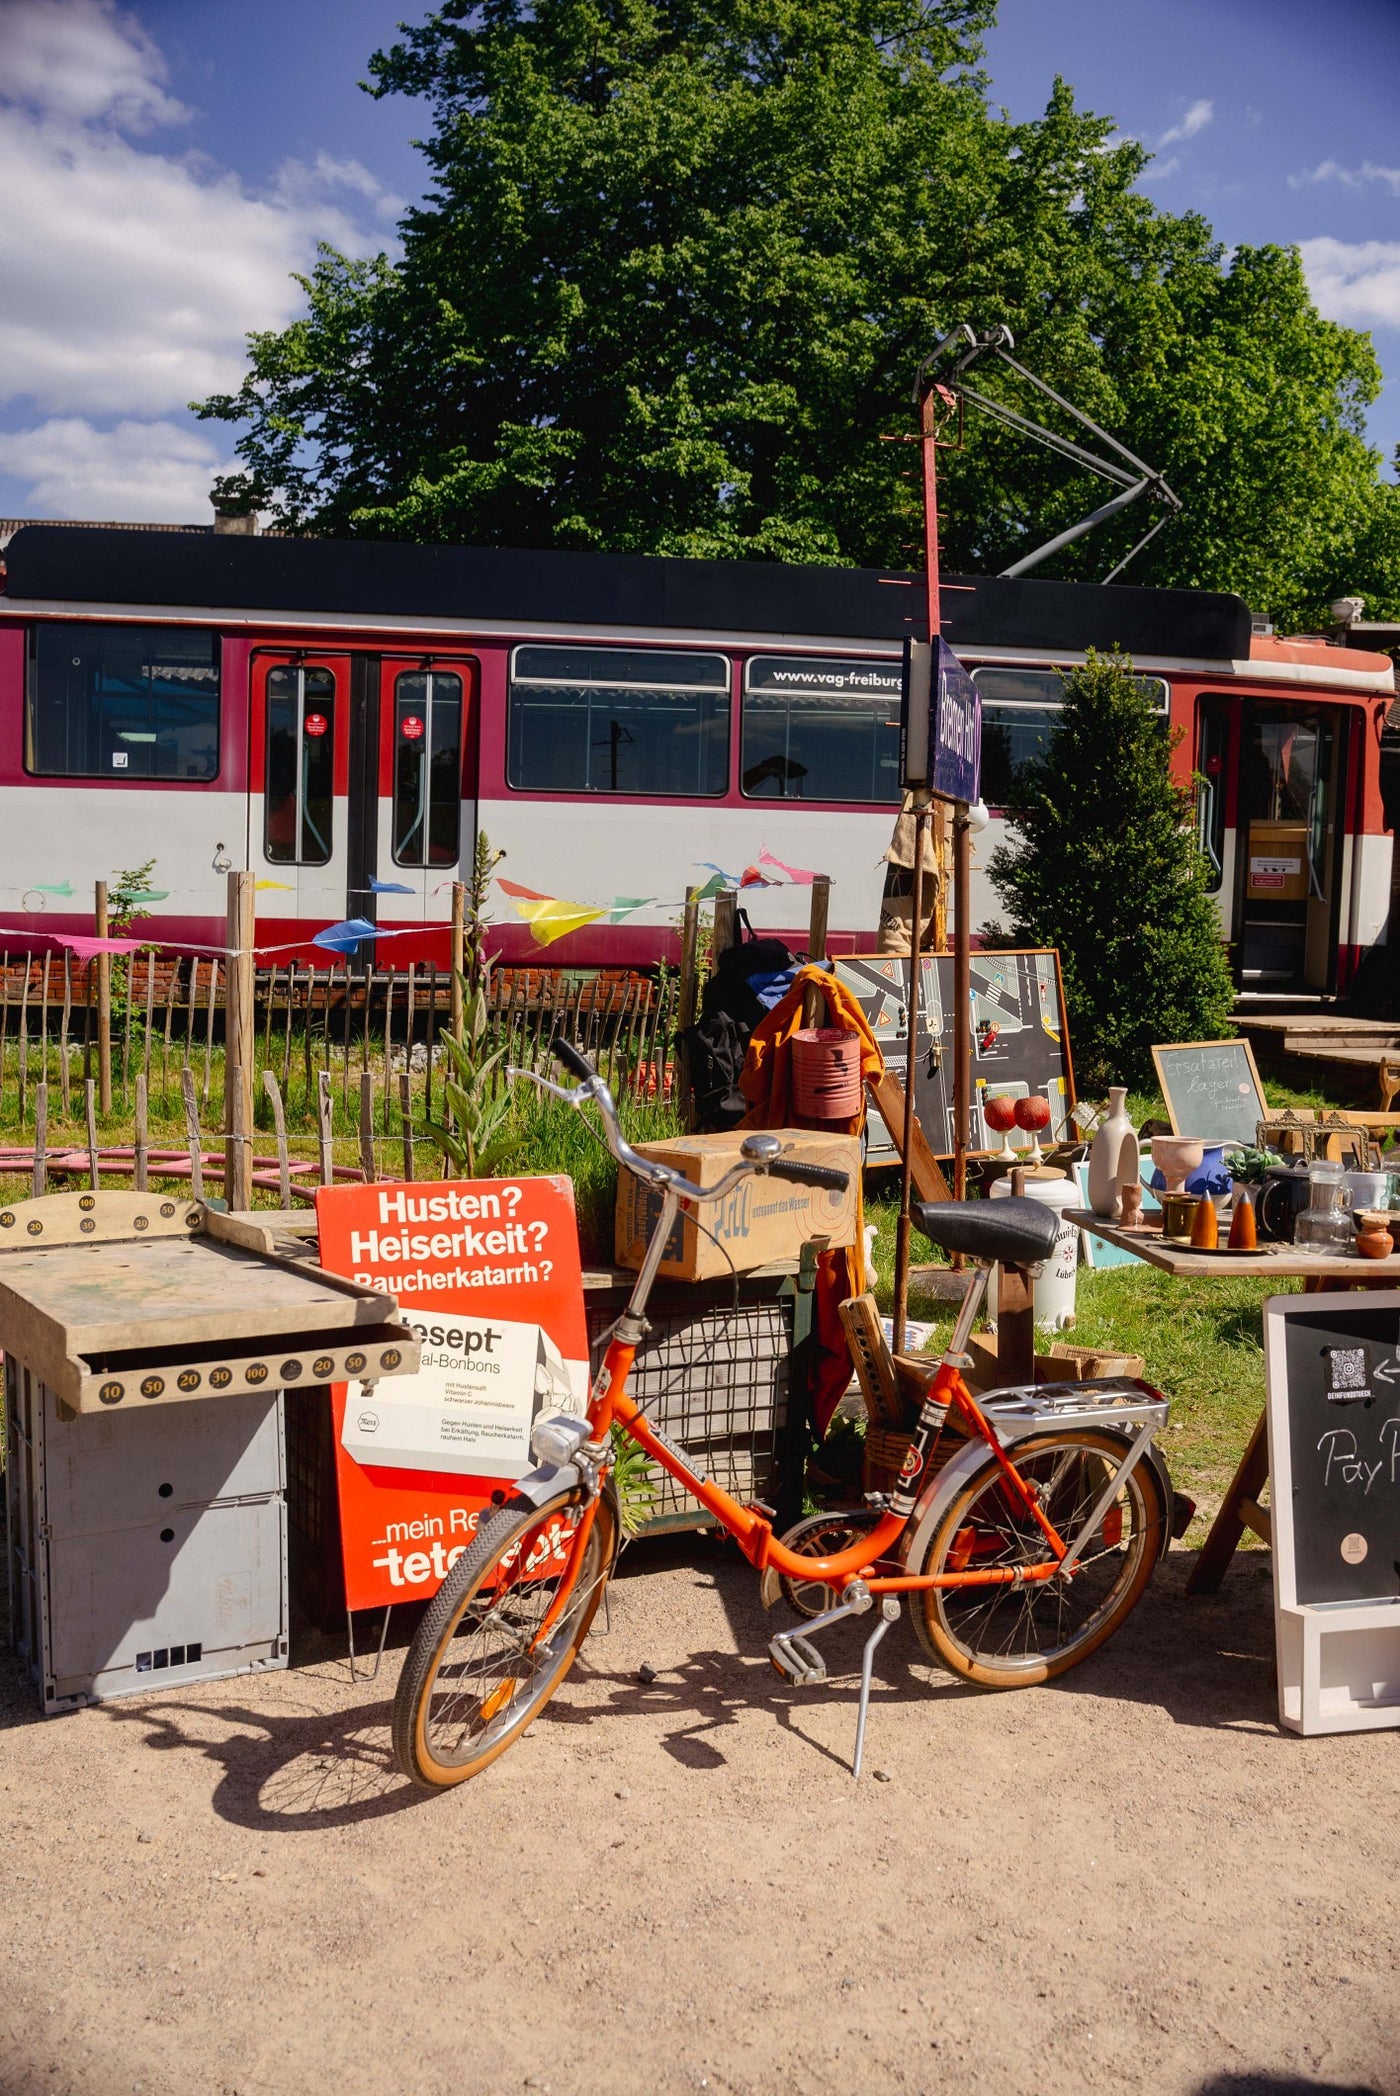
1243, 1235
1205, 1234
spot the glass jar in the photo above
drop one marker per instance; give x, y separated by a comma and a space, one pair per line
1325, 1224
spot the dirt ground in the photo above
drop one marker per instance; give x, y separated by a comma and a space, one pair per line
1129, 1881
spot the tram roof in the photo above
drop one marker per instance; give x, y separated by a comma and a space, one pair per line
53, 564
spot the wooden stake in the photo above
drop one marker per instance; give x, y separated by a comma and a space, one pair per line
367, 1164
726, 922
24, 1042
240, 1046
209, 1030
44, 1026
388, 1042
40, 1180
279, 1122
90, 1102
406, 1118
192, 1016
128, 1001
345, 1033
140, 1155
689, 996
287, 1035
63, 1072
192, 1133
104, 1004
813, 1003
306, 1038
150, 1018
172, 985
325, 1128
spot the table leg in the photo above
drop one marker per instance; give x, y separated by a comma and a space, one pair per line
1239, 1510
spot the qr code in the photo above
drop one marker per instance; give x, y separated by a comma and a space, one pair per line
1348, 1366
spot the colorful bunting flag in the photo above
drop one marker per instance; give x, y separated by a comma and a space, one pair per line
388, 887
794, 873
345, 936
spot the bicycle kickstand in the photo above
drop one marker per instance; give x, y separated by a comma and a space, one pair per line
889, 1613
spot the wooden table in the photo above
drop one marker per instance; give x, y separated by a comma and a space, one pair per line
1240, 1509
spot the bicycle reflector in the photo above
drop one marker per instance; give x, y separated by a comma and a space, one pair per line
557, 1438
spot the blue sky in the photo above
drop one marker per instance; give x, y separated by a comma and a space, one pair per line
166, 166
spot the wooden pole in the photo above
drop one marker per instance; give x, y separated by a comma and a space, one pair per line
962, 997
367, 1163
90, 1103
325, 1128
406, 1121
726, 922
239, 1044
104, 1005
689, 988
906, 1172
40, 1180
812, 1000
279, 1122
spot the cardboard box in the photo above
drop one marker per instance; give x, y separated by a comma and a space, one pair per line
761, 1220
1278, 862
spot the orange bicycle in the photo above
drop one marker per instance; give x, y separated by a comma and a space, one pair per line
1024, 1526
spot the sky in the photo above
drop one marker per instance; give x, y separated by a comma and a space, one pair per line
167, 165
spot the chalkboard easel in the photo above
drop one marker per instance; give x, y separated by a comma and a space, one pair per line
1332, 1373
1212, 1090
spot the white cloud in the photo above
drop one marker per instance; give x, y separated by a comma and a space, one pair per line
1158, 170
1357, 282
132, 275
81, 59
1195, 119
136, 473
1349, 177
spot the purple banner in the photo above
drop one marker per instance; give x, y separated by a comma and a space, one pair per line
957, 731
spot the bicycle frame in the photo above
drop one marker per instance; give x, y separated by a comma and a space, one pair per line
612, 1405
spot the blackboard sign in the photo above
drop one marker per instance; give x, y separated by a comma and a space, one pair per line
1333, 1369
1212, 1090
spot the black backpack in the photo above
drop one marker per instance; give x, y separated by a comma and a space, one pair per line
730, 1008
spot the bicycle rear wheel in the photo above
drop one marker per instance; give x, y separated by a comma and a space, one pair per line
484, 1660
1014, 1636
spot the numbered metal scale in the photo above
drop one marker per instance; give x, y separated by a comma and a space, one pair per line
147, 1344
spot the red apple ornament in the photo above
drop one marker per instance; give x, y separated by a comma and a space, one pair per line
999, 1113
1033, 1114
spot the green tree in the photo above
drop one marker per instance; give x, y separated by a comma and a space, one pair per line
1115, 881
678, 264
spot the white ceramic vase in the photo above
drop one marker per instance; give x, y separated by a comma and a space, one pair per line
1104, 1165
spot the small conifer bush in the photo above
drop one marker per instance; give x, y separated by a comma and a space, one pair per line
1103, 863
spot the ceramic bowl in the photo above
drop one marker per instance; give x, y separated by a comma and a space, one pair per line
1175, 1156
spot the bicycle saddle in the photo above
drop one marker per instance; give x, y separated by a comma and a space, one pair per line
1015, 1231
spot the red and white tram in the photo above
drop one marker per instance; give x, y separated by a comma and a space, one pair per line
343, 717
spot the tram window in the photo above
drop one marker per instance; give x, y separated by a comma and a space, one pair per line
300, 771
427, 768
123, 702
1019, 712
820, 730
619, 720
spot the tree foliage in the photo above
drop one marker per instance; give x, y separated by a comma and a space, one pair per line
678, 264
1115, 881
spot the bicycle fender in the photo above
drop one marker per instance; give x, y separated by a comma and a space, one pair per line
936, 1496
540, 1486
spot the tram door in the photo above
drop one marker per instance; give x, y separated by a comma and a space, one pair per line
1290, 835
362, 785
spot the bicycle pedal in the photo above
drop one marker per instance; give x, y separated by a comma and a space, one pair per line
796, 1658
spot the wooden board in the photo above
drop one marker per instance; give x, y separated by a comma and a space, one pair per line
871, 1359
887, 1092
1212, 1090
1275, 1261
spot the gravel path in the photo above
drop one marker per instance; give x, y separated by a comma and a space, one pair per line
1132, 1881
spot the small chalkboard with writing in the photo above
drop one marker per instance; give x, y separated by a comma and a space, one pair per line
1212, 1090
1333, 1369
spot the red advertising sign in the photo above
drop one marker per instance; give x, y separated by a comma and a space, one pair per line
487, 1272
315, 724
411, 727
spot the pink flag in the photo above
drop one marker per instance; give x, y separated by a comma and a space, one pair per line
794, 873
85, 947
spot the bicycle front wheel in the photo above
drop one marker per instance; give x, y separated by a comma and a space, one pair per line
500, 1634
1011, 1636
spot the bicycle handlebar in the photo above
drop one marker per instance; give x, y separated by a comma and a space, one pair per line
809, 1174
591, 1087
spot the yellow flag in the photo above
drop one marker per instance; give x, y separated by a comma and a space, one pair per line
552, 919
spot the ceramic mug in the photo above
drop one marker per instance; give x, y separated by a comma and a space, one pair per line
1369, 1189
